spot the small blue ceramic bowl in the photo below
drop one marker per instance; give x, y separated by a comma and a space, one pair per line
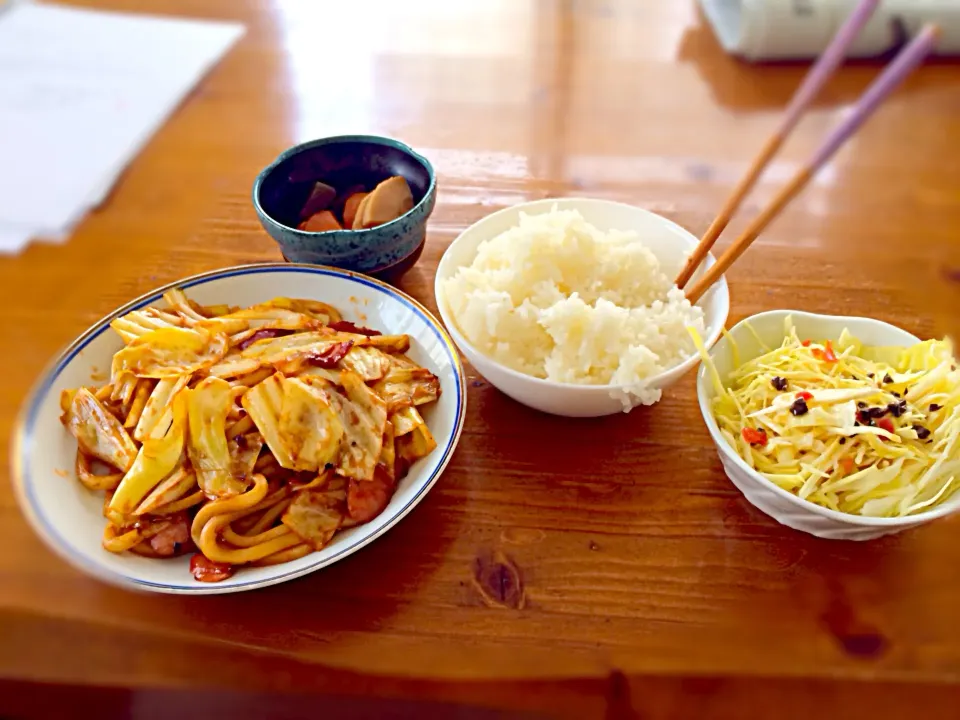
343, 162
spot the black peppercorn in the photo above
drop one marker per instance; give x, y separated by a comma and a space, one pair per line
799, 407
922, 432
887, 379
779, 383
934, 407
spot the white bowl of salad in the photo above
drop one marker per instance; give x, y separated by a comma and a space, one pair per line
841, 427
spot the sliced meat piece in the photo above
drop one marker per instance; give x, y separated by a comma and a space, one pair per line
368, 498
173, 537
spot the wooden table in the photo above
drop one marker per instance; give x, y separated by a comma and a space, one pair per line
637, 578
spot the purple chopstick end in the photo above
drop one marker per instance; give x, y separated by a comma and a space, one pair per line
827, 63
903, 64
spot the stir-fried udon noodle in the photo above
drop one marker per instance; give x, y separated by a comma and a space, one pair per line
247, 436
871, 431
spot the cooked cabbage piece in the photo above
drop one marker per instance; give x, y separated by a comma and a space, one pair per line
406, 420
405, 387
158, 412
264, 403
364, 417
98, 432
170, 352
155, 460
367, 362
179, 483
316, 515
310, 428
209, 402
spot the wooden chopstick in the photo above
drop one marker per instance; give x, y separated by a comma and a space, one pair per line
818, 76
905, 62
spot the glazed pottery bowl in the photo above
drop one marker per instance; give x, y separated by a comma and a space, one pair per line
347, 161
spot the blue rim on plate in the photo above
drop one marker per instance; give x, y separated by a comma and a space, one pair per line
24, 429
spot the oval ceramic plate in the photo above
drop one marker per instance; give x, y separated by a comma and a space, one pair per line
69, 518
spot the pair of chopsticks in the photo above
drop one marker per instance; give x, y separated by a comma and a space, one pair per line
905, 62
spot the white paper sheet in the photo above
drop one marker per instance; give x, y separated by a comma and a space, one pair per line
80, 93
12, 239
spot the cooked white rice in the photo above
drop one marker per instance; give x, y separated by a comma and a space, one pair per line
556, 298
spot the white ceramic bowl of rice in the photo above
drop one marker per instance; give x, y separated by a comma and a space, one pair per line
568, 305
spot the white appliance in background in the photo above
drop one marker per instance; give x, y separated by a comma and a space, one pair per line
800, 29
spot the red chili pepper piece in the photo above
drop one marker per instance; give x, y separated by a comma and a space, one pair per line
263, 335
755, 436
330, 356
848, 465
348, 327
829, 354
886, 424
806, 343
804, 395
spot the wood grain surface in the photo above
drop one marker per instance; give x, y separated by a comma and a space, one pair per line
567, 568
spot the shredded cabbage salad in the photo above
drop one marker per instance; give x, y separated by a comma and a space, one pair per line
872, 431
